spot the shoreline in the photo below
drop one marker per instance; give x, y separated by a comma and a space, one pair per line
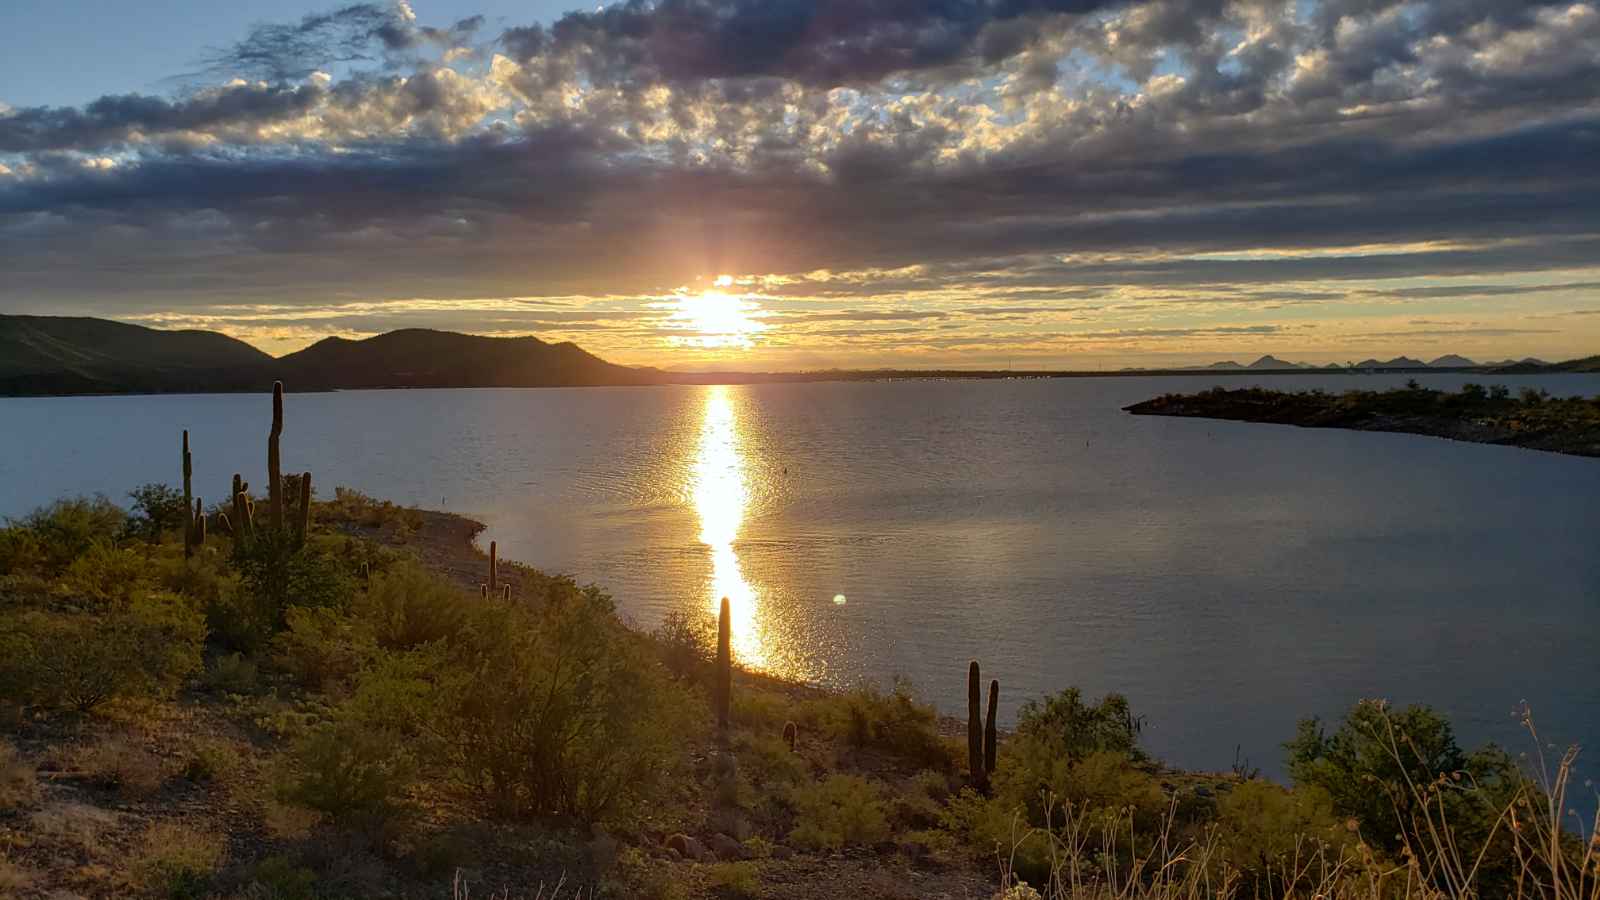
1539, 424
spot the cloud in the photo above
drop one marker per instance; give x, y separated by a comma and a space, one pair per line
919, 164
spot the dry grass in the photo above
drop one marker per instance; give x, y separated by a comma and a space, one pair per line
14, 879
116, 763
19, 784
1554, 863
177, 861
77, 825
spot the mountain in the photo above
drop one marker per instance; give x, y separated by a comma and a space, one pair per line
1399, 362
1531, 366
1271, 362
417, 357
1451, 361
1226, 364
57, 355
60, 355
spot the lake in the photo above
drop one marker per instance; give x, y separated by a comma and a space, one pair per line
1229, 578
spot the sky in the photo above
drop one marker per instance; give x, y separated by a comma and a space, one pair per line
803, 184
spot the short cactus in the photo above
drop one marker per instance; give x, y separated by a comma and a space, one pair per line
791, 733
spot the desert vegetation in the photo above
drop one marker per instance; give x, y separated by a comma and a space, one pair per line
1492, 415
292, 702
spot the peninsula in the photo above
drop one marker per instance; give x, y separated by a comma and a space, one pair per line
1492, 415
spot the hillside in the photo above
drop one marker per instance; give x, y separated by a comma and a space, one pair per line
422, 358
50, 354
58, 355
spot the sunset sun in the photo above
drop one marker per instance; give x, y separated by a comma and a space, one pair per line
715, 318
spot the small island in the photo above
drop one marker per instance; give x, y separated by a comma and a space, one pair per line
1492, 415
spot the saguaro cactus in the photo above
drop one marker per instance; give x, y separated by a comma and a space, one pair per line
493, 589
791, 733
274, 472
199, 536
303, 525
723, 687
188, 499
975, 765
990, 735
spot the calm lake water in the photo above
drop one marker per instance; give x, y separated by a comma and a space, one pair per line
1229, 578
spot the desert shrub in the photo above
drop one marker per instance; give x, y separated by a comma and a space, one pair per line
894, 722
282, 878
78, 661
1262, 828
1069, 727
232, 673
107, 574
19, 784
760, 710
1401, 775
349, 505
64, 530
547, 708
116, 763
407, 606
211, 760
276, 573
20, 552
685, 642
735, 879
767, 761
355, 775
321, 647
177, 861
844, 810
157, 509
14, 878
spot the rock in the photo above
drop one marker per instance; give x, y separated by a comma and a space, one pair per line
779, 851
687, 847
726, 847
1201, 790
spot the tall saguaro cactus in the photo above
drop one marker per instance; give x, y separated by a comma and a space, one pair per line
274, 467
494, 570
975, 759
722, 691
188, 499
990, 733
303, 522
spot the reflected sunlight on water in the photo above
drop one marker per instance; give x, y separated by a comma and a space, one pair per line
720, 495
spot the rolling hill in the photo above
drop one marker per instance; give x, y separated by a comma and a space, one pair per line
422, 358
59, 355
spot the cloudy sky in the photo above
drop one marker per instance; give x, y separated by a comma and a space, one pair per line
786, 184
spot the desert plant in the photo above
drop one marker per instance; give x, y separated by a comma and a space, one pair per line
722, 686
178, 861
157, 509
352, 773
843, 810
976, 770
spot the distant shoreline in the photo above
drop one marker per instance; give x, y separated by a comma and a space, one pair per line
743, 378
1532, 421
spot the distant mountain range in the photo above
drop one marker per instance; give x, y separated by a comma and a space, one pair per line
1448, 361
56, 355
44, 355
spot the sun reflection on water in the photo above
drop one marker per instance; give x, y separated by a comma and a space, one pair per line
721, 494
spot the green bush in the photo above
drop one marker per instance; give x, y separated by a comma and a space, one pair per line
685, 642
1380, 764
157, 509
408, 606
64, 530
232, 673
275, 574
542, 708
104, 573
178, 862
1070, 728
844, 810
147, 647
322, 647
735, 879
1262, 828
894, 722
355, 775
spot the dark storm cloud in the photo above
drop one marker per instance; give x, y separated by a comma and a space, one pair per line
111, 121
361, 32
815, 42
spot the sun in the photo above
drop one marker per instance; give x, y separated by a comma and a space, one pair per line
717, 318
